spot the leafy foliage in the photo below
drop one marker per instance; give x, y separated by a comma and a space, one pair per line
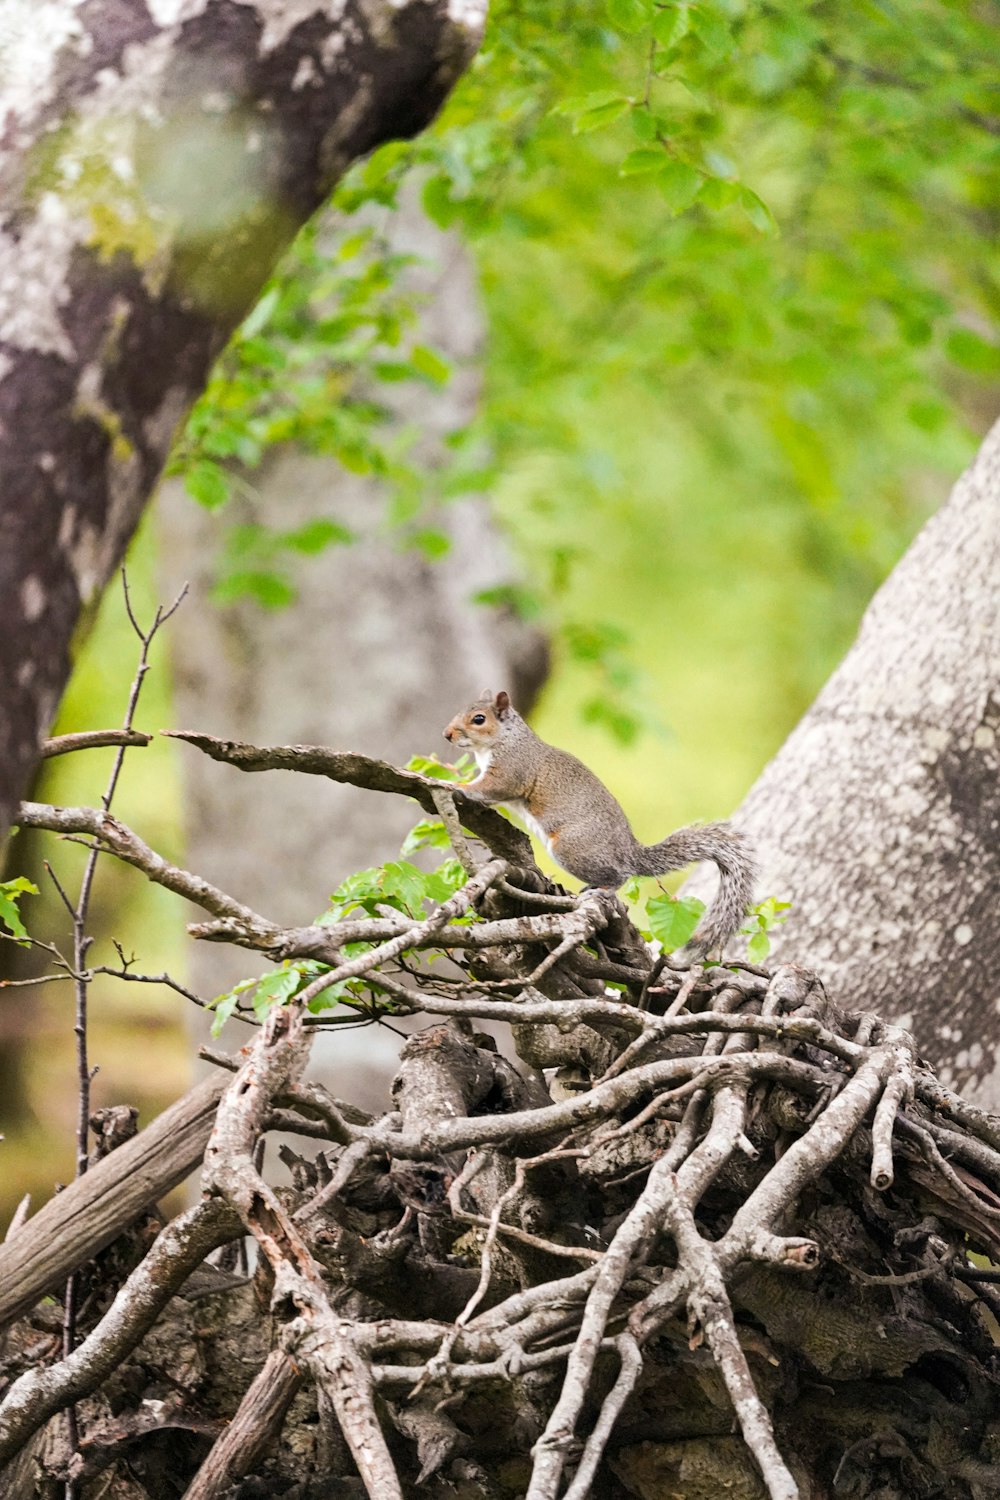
331, 325
267, 990
427, 834
756, 288
672, 920
398, 884
429, 765
11, 892
764, 917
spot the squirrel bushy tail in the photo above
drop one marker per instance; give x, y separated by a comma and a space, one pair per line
731, 852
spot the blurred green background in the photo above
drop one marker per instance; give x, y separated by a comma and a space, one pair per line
740, 279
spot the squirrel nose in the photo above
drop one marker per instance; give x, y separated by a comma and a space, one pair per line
447, 735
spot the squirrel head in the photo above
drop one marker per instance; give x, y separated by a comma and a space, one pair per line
479, 726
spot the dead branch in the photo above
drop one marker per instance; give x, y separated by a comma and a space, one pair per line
114, 836
315, 1336
41, 1392
86, 1216
92, 739
256, 1423
373, 775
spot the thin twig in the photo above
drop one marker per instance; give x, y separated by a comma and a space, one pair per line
81, 945
93, 739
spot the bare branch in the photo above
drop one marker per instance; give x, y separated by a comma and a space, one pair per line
256, 1423
375, 775
178, 1250
315, 1336
118, 839
86, 1216
676, 1154
92, 739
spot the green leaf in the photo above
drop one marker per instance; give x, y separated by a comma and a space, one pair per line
710, 29
393, 371
275, 988
433, 544
10, 893
716, 194
343, 992
268, 589
439, 205
223, 1007
622, 724
430, 364
445, 880
644, 159
207, 483
973, 352
404, 881
671, 24
929, 415
430, 833
429, 765
643, 123
524, 602
770, 912
591, 111
630, 15
597, 119
757, 211
315, 536
354, 244
672, 919
680, 185
758, 947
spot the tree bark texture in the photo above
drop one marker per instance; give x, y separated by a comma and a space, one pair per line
156, 158
377, 650
880, 816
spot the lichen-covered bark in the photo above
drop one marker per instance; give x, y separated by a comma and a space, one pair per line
880, 816
155, 158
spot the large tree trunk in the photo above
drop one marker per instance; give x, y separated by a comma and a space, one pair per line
156, 159
880, 816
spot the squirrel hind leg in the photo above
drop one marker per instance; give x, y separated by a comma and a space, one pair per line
594, 866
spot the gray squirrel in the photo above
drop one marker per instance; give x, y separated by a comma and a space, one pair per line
582, 825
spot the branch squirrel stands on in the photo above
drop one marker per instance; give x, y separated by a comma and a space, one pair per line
582, 825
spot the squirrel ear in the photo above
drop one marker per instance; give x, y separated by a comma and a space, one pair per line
486, 696
502, 705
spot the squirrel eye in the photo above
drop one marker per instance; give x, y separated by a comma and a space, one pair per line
479, 718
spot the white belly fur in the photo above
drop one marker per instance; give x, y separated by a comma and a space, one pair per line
519, 809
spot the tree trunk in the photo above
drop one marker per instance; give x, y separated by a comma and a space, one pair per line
879, 817
156, 159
